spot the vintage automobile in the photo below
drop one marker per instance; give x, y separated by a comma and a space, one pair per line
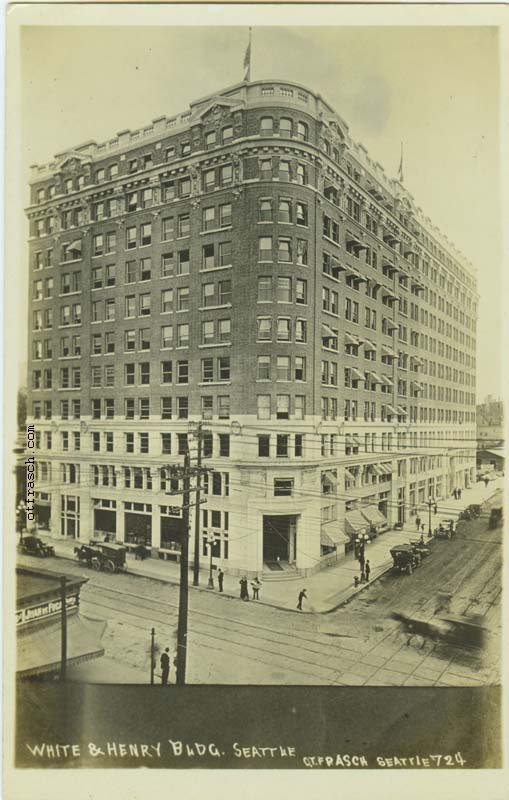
108, 557
446, 528
33, 546
405, 558
471, 512
420, 547
454, 630
495, 517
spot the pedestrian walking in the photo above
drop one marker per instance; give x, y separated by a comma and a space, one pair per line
256, 585
367, 570
220, 578
418, 522
435, 508
165, 666
459, 494
302, 596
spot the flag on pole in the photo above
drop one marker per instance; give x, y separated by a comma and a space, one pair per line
400, 171
247, 60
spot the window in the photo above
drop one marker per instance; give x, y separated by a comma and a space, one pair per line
283, 368
224, 445
265, 210
166, 372
284, 251
266, 169
264, 329
169, 191
130, 235
265, 289
285, 211
224, 368
263, 406
302, 252
183, 335
227, 134
266, 126
265, 248
225, 215
263, 446
282, 442
302, 131
184, 187
284, 170
167, 228
298, 444
129, 374
145, 305
300, 368
223, 407
283, 329
208, 261
210, 139
225, 254
183, 408
263, 368
207, 370
166, 443
209, 219
301, 214
167, 265
226, 175
301, 291
283, 487
143, 442
225, 292
166, 407
285, 127
185, 149
145, 269
207, 332
166, 301
183, 298
144, 373
183, 262
283, 406
146, 233
224, 330
284, 290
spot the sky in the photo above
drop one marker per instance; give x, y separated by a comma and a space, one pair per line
436, 89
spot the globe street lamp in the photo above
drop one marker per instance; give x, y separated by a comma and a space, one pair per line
211, 541
361, 542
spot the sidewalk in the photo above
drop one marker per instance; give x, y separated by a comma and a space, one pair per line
327, 589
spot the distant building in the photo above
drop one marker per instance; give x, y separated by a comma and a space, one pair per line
490, 423
245, 264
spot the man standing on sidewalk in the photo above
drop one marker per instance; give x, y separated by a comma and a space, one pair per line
417, 522
367, 570
220, 578
165, 666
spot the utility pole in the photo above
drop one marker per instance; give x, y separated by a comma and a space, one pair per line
196, 562
63, 628
184, 576
152, 655
430, 505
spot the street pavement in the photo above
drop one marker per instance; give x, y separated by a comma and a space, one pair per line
326, 589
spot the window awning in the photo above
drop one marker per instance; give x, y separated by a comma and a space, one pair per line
333, 537
351, 339
391, 295
386, 381
38, 651
418, 362
328, 333
369, 345
355, 522
386, 469
417, 385
377, 470
356, 374
402, 412
388, 351
349, 474
76, 246
391, 410
392, 325
357, 439
329, 476
373, 515
376, 377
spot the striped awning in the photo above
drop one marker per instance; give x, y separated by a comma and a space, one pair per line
386, 469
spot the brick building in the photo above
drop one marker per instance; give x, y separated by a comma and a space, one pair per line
246, 264
490, 423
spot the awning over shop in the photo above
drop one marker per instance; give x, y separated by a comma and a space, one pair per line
38, 651
388, 351
373, 515
355, 522
333, 537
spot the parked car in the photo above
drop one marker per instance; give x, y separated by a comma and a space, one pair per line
405, 558
33, 546
108, 557
446, 528
421, 548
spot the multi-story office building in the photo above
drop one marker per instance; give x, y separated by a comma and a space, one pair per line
490, 423
245, 264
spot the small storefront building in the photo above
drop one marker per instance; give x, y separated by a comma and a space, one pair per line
38, 624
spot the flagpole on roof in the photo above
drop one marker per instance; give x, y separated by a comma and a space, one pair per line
400, 171
247, 59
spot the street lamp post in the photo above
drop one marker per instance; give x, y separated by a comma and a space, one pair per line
430, 505
210, 541
20, 510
